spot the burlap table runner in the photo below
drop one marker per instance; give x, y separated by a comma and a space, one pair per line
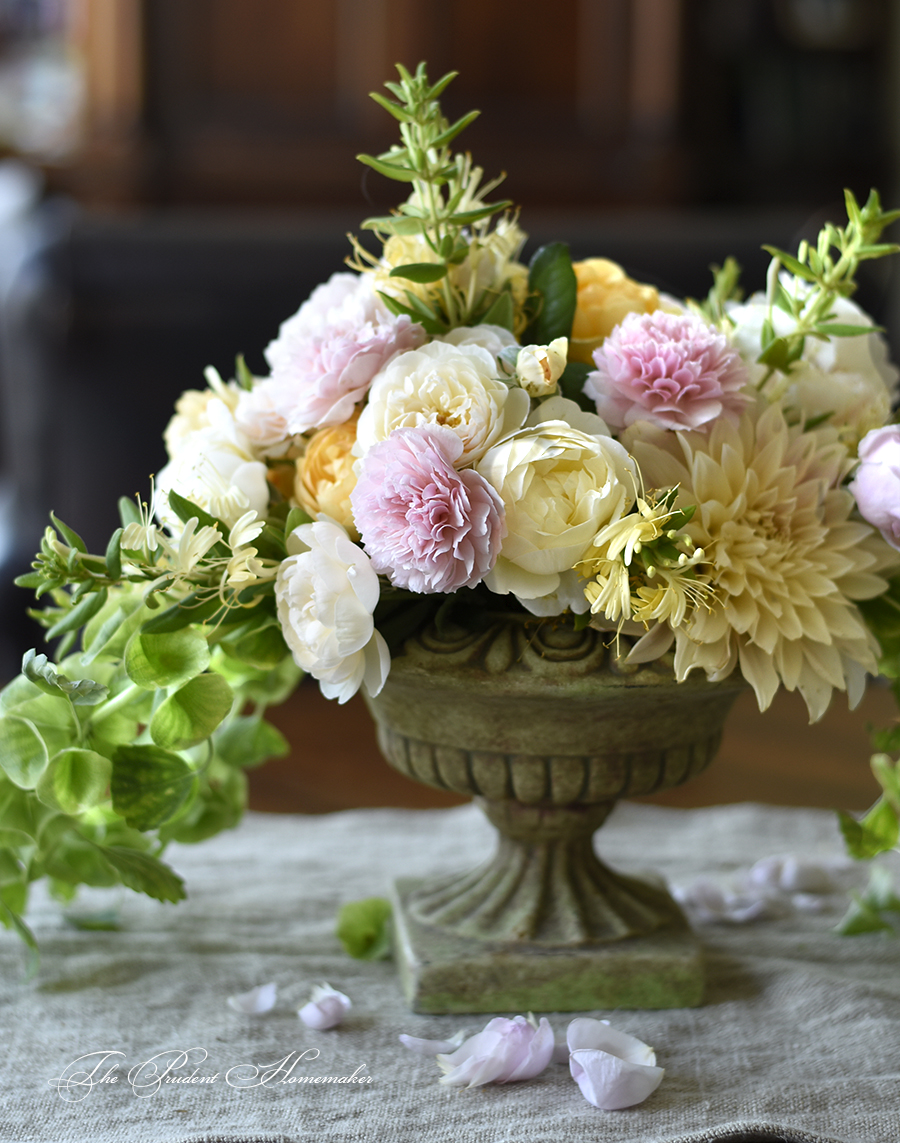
799, 1038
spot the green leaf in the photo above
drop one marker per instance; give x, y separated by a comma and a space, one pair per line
841, 329
551, 276
192, 713
114, 555
143, 873
862, 918
75, 780
166, 660
296, 517
389, 105
80, 614
791, 263
71, 537
30, 580
148, 785
888, 775
129, 513
876, 833
420, 271
880, 891
247, 741
14, 921
242, 374
394, 224
23, 752
83, 692
468, 217
364, 928
500, 313
262, 648
389, 170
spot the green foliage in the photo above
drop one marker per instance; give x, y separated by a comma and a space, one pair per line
364, 928
168, 659
867, 912
192, 712
149, 785
554, 288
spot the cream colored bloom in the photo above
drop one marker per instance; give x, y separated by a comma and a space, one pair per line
192, 409
440, 384
325, 476
782, 553
559, 487
539, 367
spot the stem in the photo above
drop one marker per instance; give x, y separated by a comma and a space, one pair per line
122, 699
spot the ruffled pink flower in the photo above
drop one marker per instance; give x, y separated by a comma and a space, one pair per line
425, 525
326, 355
876, 484
673, 370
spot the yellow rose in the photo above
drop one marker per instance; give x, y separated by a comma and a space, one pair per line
605, 295
325, 475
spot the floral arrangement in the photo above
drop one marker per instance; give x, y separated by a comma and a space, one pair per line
446, 435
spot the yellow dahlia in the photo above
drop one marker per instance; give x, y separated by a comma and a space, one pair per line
783, 556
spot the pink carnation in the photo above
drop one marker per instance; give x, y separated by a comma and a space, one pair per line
673, 370
326, 355
425, 525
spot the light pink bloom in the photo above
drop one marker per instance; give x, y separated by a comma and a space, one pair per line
326, 355
673, 370
613, 1069
425, 525
876, 485
326, 1008
502, 1052
432, 1047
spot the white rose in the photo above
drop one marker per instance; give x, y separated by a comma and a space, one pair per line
539, 367
441, 384
493, 338
191, 409
559, 486
850, 378
325, 598
214, 468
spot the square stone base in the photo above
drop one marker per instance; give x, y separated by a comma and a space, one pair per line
443, 973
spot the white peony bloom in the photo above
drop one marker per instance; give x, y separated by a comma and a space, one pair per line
850, 378
325, 597
216, 469
441, 384
559, 487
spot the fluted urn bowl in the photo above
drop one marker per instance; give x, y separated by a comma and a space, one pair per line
546, 728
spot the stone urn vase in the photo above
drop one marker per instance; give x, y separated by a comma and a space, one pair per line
546, 729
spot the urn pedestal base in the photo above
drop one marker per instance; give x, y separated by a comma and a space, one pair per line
441, 972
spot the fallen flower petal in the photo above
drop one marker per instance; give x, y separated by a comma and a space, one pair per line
326, 1008
503, 1052
257, 1000
613, 1069
433, 1047
791, 874
706, 901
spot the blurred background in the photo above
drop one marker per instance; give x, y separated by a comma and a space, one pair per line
177, 175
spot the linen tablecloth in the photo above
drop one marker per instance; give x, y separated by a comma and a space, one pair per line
800, 1032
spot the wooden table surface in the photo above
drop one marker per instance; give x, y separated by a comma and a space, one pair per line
774, 757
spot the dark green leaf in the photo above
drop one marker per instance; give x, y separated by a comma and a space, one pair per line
467, 217
454, 129
571, 385
500, 313
551, 276
148, 785
114, 555
186, 510
129, 513
296, 517
194, 608
389, 170
262, 648
364, 928
71, 537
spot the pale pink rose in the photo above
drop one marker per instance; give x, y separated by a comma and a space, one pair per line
673, 370
326, 355
503, 1052
425, 525
876, 485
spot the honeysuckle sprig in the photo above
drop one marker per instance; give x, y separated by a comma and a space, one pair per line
822, 273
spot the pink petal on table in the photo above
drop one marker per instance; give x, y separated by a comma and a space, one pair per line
326, 1008
609, 1082
502, 1052
256, 1001
432, 1047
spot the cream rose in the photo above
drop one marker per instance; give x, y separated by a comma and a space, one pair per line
559, 487
325, 598
440, 384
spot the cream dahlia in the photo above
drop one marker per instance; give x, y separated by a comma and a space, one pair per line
783, 556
